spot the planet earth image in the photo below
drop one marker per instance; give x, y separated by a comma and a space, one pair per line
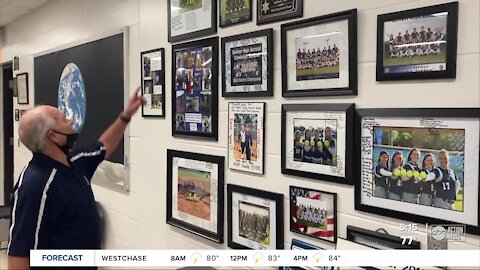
71, 95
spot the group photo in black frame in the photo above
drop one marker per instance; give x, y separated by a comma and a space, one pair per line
420, 165
233, 12
195, 193
418, 43
269, 11
202, 21
195, 89
247, 64
313, 213
246, 136
380, 239
255, 218
152, 65
319, 55
317, 141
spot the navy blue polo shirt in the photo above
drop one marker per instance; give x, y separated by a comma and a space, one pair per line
54, 206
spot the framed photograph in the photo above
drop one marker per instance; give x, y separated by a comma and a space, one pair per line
379, 240
269, 11
418, 44
313, 213
255, 218
300, 245
195, 80
246, 136
153, 82
189, 19
195, 193
319, 56
22, 88
420, 165
247, 64
234, 12
317, 141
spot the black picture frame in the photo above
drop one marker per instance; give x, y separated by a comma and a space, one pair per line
240, 14
300, 245
211, 29
393, 68
157, 80
210, 99
248, 196
375, 131
22, 88
314, 199
322, 115
337, 75
249, 115
217, 233
288, 9
248, 41
379, 240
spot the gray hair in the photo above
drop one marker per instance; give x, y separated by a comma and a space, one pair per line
32, 132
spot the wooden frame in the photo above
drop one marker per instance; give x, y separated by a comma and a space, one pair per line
195, 12
288, 9
256, 46
444, 189
195, 95
433, 56
269, 205
22, 88
234, 15
319, 223
153, 76
190, 168
323, 72
329, 162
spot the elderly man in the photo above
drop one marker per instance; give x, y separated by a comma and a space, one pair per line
53, 202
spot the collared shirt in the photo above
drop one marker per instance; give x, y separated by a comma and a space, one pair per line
54, 206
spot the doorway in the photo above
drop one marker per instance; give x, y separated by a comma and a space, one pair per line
7, 83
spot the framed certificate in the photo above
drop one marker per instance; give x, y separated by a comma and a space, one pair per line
188, 19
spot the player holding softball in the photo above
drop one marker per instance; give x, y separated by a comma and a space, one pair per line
317, 147
427, 187
395, 183
447, 184
307, 153
298, 146
411, 177
328, 147
380, 174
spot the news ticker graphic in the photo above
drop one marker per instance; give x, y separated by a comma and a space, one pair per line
312, 258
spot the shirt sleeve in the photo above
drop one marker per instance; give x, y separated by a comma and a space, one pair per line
33, 214
88, 159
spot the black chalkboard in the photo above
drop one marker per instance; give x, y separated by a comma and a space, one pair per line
102, 66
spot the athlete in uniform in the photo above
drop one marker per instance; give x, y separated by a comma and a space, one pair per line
298, 147
411, 189
329, 147
395, 183
427, 187
380, 174
447, 184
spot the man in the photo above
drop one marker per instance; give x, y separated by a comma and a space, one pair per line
53, 203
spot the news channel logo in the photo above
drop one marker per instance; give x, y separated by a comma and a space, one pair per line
442, 232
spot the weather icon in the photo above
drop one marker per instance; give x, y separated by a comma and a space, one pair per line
318, 257
257, 257
196, 256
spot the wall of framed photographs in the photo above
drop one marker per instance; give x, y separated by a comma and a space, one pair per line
142, 212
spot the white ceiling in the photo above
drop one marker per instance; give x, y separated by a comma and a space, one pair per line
10, 10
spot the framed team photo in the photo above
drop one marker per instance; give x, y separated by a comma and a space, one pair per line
319, 56
246, 136
195, 193
317, 141
418, 44
195, 84
247, 64
313, 213
379, 239
153, 82
269, 11
233, 12
420, 165
189, 19
255, 218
